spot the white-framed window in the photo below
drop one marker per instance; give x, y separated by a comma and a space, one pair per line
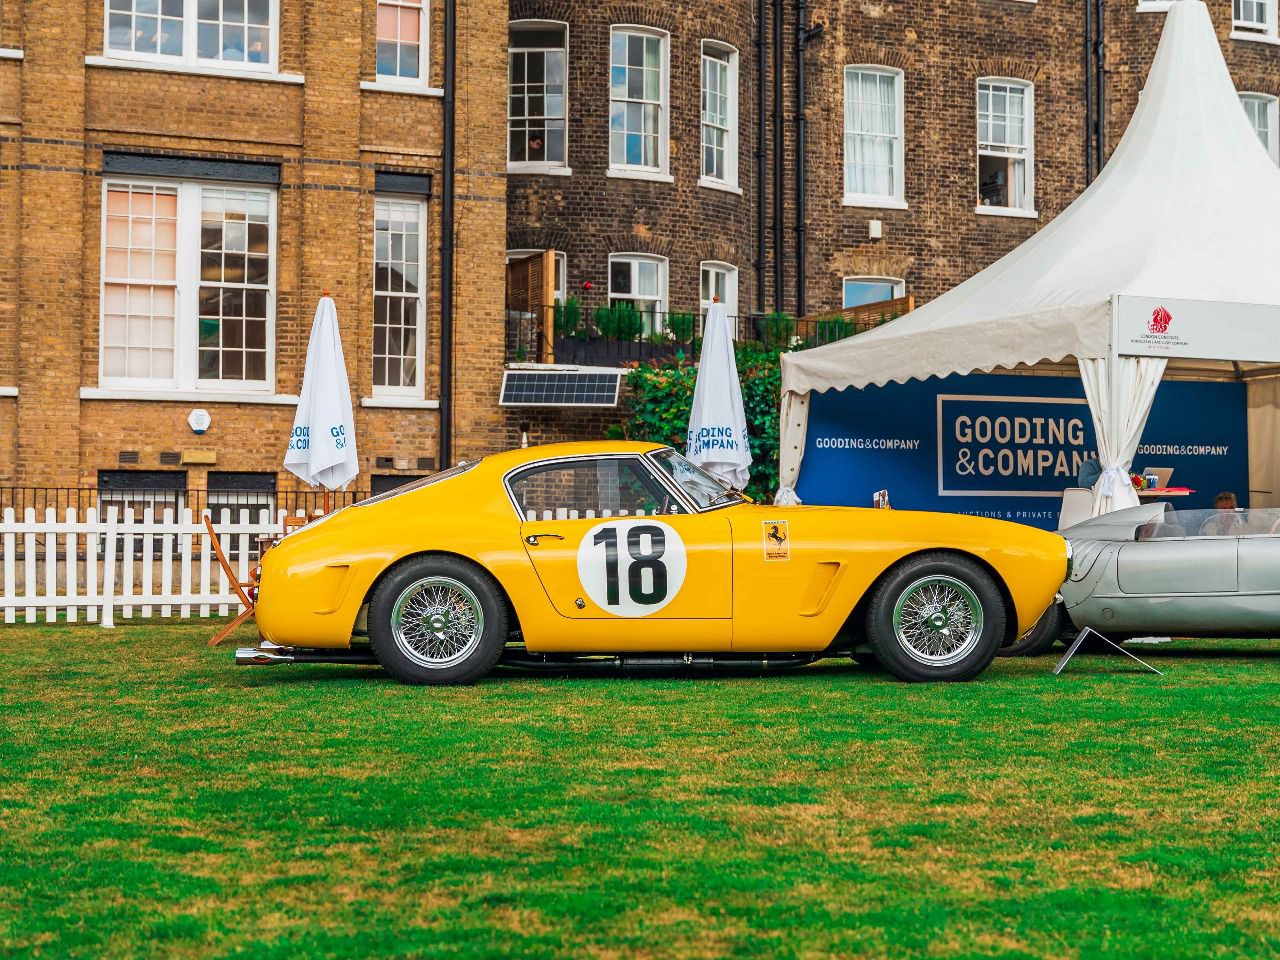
719, 114
1260, 108
399, 296
717, 281
640, 279
403, 35
1006, 145
188, 285
859, 291
1253, 18
241, 34
873, 138
638, 98
537, 95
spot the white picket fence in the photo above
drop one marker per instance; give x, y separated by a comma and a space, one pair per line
120, 562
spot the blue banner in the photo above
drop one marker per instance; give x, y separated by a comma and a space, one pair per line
1007, 446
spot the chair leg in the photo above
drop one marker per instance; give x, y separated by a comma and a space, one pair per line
230, 627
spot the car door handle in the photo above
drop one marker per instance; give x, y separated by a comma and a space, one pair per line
532, 539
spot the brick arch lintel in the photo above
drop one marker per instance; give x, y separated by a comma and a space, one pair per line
643, 15
537, 238
560, 10
856, 263
867, 54
721, 249
1010, 67
636, 242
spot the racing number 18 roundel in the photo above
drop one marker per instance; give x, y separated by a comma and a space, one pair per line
631, 567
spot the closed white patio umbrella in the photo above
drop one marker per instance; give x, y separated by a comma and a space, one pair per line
717, 439
322, 446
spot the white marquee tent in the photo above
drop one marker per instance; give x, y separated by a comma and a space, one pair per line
1169, 260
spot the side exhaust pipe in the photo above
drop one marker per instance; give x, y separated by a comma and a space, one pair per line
268, 654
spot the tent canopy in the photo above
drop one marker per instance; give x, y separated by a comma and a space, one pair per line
1188, 207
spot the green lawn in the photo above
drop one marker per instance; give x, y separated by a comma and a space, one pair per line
157, 801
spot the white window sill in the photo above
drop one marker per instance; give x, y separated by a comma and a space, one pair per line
653, 176
201, 71
187, 396
720, 185
1007, 212
399, 403
1255, 37
1154, 6
10, 53
540, 169
8, 391
874, 203
412, 89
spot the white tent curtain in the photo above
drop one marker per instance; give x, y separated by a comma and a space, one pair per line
1120, 391
793, 427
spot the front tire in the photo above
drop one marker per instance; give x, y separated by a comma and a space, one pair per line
936, 617
437, 620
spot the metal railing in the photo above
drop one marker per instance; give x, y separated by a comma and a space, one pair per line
620, 333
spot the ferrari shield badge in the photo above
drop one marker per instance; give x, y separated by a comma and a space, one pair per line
777, 542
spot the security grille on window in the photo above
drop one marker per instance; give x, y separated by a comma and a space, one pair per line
637, 100
1261, 111
399, 306
719, 114
641, 282
188, 275
872, 134
1254, 16
1004, 144
401, 39
214, 32
536, 94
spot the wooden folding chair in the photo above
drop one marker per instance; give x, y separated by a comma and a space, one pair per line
235, 581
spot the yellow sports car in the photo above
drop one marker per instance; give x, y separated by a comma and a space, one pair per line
627, 556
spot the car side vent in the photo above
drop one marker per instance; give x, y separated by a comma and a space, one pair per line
126, 457
386, 463
170, 458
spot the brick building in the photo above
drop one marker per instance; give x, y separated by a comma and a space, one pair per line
938, 137
181, 181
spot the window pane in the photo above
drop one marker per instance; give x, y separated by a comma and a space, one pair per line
145, 26
233, 298
859, 292
398, 307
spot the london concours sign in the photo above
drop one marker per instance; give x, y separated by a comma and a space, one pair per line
1197, 329
1007, 446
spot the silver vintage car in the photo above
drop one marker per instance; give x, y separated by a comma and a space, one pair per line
1152, 570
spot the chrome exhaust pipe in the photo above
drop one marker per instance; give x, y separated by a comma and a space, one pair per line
267, 654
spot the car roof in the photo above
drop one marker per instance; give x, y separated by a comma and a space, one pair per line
510, 459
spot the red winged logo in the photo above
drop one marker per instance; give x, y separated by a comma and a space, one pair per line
1160, 320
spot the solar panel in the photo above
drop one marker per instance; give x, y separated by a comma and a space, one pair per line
560, 388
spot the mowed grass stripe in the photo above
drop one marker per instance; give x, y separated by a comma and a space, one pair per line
156, 801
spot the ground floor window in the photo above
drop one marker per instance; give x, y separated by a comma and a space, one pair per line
188, 283
1260, 108
859, 291
640, 281
399, 296
719, 281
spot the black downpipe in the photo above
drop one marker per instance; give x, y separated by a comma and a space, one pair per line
446, 236
805, 35
762, 207
778, 177
1088, 92
1100, 65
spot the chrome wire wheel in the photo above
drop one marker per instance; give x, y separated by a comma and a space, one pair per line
437, 622
938, 620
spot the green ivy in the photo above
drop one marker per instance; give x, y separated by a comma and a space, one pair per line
660, 400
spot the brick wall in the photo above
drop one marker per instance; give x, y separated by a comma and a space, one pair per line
329, 137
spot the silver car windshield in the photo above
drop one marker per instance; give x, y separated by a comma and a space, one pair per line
1178, 524
701, 487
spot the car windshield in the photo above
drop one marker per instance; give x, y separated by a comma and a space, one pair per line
1174, 524
701, 487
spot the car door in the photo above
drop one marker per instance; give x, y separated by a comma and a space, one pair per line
621, 559
1177, 585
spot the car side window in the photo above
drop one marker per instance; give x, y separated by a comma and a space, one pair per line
585, 489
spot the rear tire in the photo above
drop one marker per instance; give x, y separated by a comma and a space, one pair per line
936, 617
1040, 638
437, 620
